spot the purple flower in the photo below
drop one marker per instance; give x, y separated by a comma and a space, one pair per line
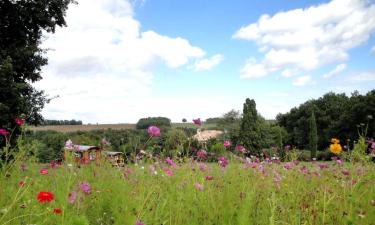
226, 144
170, 162
72, 197
304, 170
69, 144
345, 172
139, 223
222, 161
153, 131
85, 187
197, 122
202, 167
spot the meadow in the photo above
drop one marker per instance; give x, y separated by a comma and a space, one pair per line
231, 191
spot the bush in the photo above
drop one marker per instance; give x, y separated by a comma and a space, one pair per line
144, 123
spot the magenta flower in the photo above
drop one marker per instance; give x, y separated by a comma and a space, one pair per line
198, 186
208, 177
202, 154
345, 172
170, 162
153, 131
197, 122
304, 170
19, 121
3, 132
222, 161
168, 171
288, 166
52, 164
240, 148
139, 223
85, 187
226, 144
323, 166
72, 197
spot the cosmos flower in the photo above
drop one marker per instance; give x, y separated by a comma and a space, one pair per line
3, 132
45, 196
226, 144
197, 122
240, 148
153, 131
43, 171
57, 211
170, 162
21, 183
19, 121
168, 171
72, 197
85, 187
202, 154
222, 161
208, 178
199, 186
69, 144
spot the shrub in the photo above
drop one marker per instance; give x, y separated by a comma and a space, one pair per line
144, 123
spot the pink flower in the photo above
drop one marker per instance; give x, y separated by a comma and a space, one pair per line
168, 171
43, 171
198, 186
323, 166
170, 162
316, 173
208, 177
197, 122
21, 183
153, 131
226, 144
202, 154
240, 148
202, 167
139, 223
339, 162
222, 161
345, 172
288, 166
52, 164
3, 132
304, 170
85, 187
72, 197
69, 144
19, 121
105, 142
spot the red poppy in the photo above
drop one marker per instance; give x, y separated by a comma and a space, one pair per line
21, 183
43, 171
57, 211
19, 121
44, 196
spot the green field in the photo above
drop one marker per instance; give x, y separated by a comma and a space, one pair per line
196, 193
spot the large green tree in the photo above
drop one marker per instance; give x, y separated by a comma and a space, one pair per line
250, 135
313, 135
22, 23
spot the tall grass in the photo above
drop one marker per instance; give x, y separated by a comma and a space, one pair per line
257, 193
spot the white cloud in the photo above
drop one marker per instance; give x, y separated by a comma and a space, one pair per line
338, 69
102, 61
208, 63
306, 39
302, 81
362, 77
252, 69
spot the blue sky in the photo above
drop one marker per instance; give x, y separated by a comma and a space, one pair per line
119, 60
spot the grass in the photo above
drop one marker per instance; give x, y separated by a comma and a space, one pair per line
237, 194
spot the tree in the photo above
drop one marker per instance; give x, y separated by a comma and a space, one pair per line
230, 123
144, 123
313, 135
22, 24
250, 130
184, 120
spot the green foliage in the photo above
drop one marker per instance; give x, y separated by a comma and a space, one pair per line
230, 122
218, 148
51, 147
313, 136
251, 128
22, 24
337, 115
359, 151
175, 141
144, 123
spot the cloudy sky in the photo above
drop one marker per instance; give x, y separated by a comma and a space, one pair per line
121, 60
